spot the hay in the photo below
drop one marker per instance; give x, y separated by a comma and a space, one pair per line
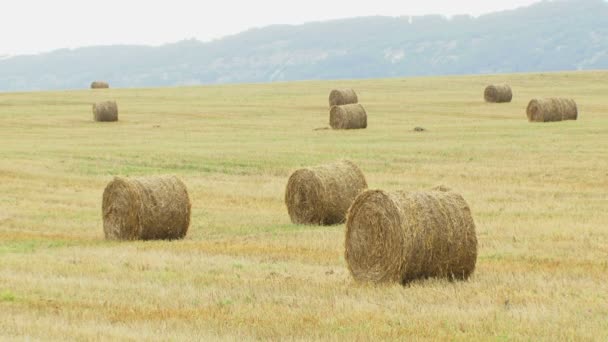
105, 111
551, 109
340, 97
321, 195
351, 116
148, 208
403, 236
498, 93
100, 85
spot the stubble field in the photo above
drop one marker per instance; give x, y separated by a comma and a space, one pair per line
538, 194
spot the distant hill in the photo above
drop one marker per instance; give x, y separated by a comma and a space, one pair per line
549, 36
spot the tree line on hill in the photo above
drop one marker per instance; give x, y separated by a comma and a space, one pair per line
547, 36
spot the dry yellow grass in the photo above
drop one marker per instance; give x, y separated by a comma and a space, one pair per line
538, 194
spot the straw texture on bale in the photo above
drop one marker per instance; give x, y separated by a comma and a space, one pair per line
352, 116
340, 97
404, 236
105, 111
147, 208
498, 93
100, 85
551, 109
321, 195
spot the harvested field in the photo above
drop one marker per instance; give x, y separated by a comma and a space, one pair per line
244, 271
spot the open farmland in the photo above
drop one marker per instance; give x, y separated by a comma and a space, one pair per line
538, 193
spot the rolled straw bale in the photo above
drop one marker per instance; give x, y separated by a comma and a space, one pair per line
100, 85
551, 109
105, 111
321, 195
403, 236
340, 97
146, 208
498, 93
352, 116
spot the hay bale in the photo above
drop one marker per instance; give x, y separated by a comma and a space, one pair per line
403, 236
100, 85
340, 97
105, 111
321, 195
498, 93
551, 109
147, 208
352, 116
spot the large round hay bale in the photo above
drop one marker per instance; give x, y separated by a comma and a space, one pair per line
100, 85
340, 97
352, 116
498, 93
321, 195
147, 208
105, 111
403, 236
551, 109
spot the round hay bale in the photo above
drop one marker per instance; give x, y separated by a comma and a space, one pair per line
147, 208
403, 236
105, 111
551, 109
498, 93
321, 195
100, 85
340, 97
352, 116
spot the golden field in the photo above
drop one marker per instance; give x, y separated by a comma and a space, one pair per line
538, 193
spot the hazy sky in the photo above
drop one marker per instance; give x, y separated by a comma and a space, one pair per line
30, 26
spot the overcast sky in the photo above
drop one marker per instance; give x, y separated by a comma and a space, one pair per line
30, 26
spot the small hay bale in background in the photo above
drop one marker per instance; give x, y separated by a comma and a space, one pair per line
105, 111
146, 208
352, 116
321, 195
551, 109
100, 85
340, 97
403, 236
498, 93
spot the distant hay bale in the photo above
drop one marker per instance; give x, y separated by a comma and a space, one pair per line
551, 109
147, 208
321, 195
105, 111
441, 187
100, 85
340, 97
352, 116
498, 93
403, 236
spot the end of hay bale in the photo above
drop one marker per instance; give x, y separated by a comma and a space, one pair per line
106, 111
321, 195
120, 209
340, 97
498, 93
404, 236
374, 245
146, 208
99, 85
352, 116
